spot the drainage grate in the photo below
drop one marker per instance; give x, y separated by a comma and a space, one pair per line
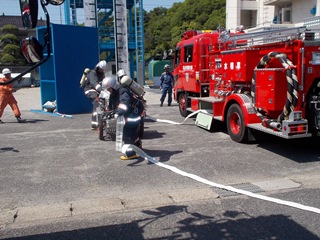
243, 186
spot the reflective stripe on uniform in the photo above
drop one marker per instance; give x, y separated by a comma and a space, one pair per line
88, 91
94, 124
119, 133
123, 106
98, 87
136, 119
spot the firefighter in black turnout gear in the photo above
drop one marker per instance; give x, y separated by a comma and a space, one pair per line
111, 85
131, 108
92, 89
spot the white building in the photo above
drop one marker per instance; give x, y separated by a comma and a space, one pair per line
266, 13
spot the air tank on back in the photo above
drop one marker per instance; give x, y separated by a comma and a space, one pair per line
134, 87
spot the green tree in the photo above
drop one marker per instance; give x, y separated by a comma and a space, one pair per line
8, 59
11, 53
9, 28
164, 27
9, 38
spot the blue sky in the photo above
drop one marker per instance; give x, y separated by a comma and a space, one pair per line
12, 7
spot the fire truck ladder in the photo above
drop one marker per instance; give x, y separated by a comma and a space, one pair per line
205, 66
263, 37
121, 35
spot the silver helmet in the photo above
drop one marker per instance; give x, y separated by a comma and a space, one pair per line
109, 82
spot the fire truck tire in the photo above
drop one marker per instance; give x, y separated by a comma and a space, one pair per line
101, 128
183, 104
238, 132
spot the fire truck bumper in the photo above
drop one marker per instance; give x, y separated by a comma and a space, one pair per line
294, 127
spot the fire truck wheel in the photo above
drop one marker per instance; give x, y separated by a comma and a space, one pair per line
101, 127
183, 104
235, 124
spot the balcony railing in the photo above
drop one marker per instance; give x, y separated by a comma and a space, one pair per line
312, 22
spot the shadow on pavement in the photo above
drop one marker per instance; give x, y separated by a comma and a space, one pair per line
8, 149
189, 225
293, 149
152, 134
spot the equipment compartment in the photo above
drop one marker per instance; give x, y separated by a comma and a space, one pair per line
270, 89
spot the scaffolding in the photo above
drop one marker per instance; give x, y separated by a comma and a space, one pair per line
121, 32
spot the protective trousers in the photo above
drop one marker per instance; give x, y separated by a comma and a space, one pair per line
8, 98
129, 134
93, 96
167, 89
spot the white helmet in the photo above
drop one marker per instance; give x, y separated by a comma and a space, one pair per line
109, 82
166, 66
121, 73
102, 64
6, 71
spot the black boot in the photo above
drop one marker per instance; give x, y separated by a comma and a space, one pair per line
20, 120
1, 121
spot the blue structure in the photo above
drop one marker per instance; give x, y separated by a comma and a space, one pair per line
60, 75
106, 32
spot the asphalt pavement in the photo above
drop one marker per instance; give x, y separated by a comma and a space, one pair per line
53, 162
57, 174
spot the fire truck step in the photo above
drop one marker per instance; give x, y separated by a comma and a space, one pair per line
204, 120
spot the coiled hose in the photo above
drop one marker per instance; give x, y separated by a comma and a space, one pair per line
292, 82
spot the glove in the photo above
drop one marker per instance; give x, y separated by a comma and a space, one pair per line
160, 88
115, 116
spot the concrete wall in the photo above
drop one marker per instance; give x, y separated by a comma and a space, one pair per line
29, 79
247, 13
301, 9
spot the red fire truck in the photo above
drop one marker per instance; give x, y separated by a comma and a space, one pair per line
267, 81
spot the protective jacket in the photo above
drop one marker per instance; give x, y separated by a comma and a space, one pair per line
92, 89
93, 81
166, 84
126, 100
166, 79
113, 100
6, 97
131, 108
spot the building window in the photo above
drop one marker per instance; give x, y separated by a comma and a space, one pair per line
285, 14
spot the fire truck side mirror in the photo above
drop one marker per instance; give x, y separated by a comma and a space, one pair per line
29, 13
56, 2
31, 49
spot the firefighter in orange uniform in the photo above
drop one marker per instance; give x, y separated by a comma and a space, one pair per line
6, 97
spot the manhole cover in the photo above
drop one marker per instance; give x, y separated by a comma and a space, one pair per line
243, 186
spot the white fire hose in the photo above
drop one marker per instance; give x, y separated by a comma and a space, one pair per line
172, 122
205, 181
